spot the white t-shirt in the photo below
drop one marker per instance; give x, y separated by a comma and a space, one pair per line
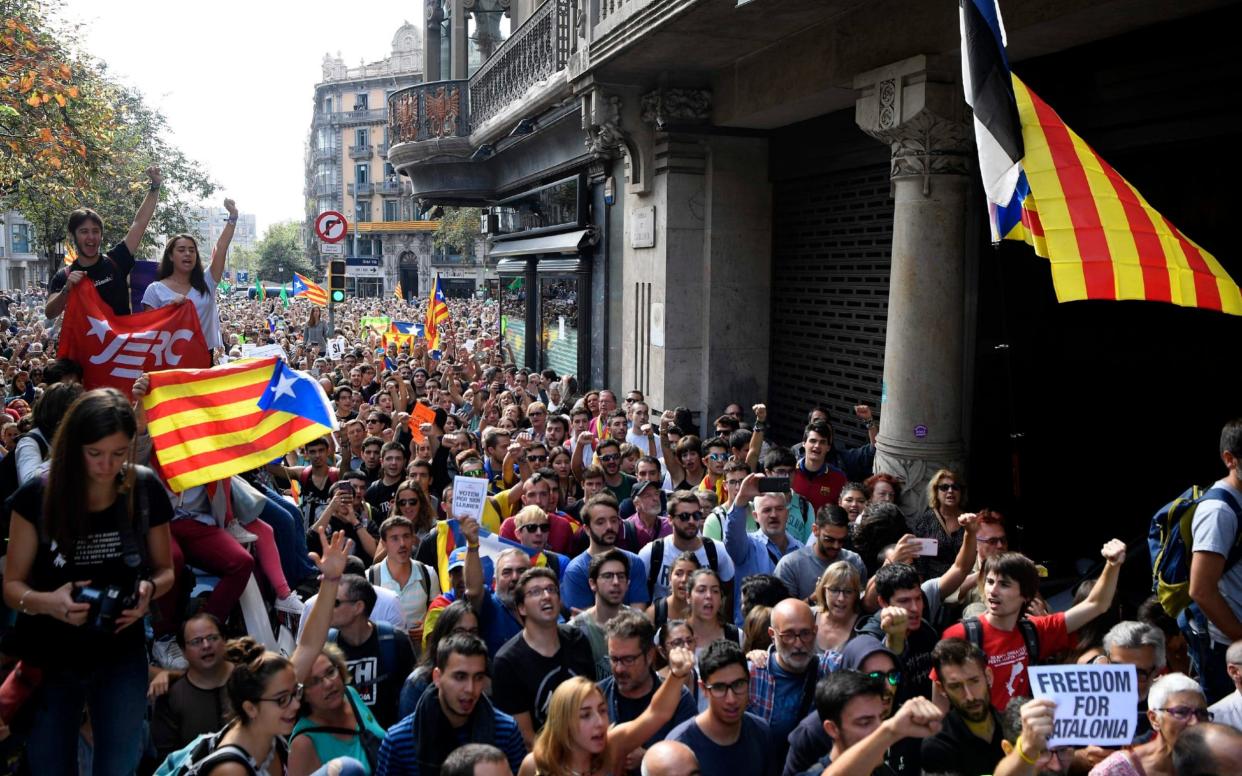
644, 448
386, 609
158, 295
724, 564
1215, 528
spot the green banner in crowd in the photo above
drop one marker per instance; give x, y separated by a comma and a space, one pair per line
377, 322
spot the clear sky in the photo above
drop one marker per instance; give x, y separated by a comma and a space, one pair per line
236, 79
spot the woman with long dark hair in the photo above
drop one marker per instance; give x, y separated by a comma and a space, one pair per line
315, 332
181, 276
33, 447
88, 551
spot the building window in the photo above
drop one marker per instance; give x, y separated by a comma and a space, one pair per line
362, 173
360, 101
21, 238
361, 137
327, 104
392, 210
365, 247
363, 210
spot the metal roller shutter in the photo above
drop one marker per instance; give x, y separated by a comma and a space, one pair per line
833, 239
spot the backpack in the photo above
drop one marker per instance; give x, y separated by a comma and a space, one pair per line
204, 753
974, 634
373, 576
657, 561
8, 480
1170, 540
387, 648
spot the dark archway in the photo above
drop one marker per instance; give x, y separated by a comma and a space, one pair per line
408, 267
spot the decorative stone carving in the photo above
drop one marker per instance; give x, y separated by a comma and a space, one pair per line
434, 11
443, 107
404, 117
676, 106
606, 138
916, 107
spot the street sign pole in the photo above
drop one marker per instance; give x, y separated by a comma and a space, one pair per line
331, 227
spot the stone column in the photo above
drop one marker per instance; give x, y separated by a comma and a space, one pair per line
917, 108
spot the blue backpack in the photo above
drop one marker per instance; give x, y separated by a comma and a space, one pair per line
1170, 541
204, 753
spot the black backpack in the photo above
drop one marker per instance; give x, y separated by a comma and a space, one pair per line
8, 482
974, 634
657, 561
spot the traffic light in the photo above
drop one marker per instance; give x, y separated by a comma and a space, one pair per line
336, 280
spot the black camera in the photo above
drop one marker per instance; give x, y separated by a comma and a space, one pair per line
106, 604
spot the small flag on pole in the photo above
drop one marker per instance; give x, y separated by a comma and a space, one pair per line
304, 286
260, 292
398, 293
437, 314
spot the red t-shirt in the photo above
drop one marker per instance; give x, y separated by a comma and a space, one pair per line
560, 539
1006, 651
819, 489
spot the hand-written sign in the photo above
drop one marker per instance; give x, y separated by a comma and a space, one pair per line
469, 495
1096, 704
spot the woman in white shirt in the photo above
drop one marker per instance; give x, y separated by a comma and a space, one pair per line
181, 276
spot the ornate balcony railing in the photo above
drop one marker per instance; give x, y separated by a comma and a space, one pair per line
533, 53
361, 189
390, 187
353, 116
360, 151
429, 111
323, 189
325, 154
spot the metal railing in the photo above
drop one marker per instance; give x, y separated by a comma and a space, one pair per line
361, 189
324, 189
325, 154
353, 116
360, 151
390, 187
429, 111
533, 53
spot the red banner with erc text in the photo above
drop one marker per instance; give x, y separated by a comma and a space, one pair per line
114, 350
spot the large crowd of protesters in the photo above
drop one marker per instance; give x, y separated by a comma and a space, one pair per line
675, 596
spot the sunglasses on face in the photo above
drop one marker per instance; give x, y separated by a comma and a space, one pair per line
407, 502
537, 527
717, 457
892, 677
1184, 713
948, 486
609, 458
473, 473
686, 517
537, 458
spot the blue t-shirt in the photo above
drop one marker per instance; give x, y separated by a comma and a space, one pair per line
576, 589
496, 623
746, 755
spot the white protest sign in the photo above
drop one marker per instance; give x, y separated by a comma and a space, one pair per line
1096, 704
263, 351
336, 348
469, 495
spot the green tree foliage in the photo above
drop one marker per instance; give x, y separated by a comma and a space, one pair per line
71, 136
281, 254
458, 231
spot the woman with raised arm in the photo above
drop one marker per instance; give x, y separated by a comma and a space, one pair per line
181, 276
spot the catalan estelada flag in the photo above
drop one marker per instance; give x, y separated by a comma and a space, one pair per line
402, 333
1048, 188
437, 316
209, 424
304, 286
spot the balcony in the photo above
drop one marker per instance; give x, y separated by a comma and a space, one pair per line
361, 189
533, 53
383, 150
390, 187
360, 151
353, 116
430, 111
326, 188
325, 154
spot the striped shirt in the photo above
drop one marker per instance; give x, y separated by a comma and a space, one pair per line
397, 753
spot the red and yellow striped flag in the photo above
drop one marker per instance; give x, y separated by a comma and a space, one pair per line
1103, 239
304, 286
209, 424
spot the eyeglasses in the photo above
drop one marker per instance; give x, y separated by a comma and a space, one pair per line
537, 527
315, 681
795, 637
625, 661
717, 457
540, 592
536, 414
686, 517
202, 641
738, 687
733, 483
684, 643
373, 421
948, 486
613, 576
609, 458
537, 458
892, 677
284, 699
465, 631
1184, 713
994, 541
407, 502
840, 591
473, 473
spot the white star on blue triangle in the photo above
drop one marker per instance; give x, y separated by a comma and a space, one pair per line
296, 393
